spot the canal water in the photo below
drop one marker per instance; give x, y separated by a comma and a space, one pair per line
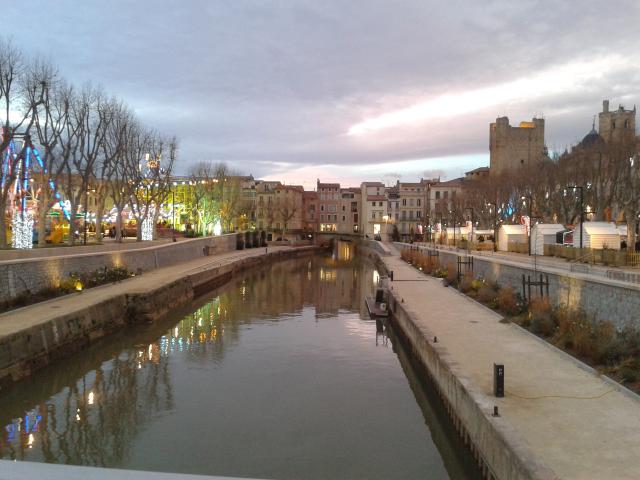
280, 374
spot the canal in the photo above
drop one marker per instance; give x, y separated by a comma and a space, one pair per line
279, 374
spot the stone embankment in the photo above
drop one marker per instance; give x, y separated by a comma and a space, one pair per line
558, 418
34, 336
18, 276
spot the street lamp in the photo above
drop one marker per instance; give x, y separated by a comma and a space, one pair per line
495, 225
581, 210
470, 235
528, 196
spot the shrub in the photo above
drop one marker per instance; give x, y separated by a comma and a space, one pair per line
541, 316
507, 301
451, 274
629, 370
487, 294
466, 284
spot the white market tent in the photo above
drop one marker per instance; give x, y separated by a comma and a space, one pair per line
597, 235
460, 232
543, 234
511, 234
485, 233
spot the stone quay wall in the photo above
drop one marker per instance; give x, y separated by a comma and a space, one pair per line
36, 274
29, 349
600, 297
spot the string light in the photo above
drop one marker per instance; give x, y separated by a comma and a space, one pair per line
22, 233
147, 229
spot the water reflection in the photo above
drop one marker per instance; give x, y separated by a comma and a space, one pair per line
219, 385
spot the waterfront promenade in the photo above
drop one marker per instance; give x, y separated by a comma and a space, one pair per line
15, 320
577, 423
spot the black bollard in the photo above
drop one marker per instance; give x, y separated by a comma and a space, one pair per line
498, 380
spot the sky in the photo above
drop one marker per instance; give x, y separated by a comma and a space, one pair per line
348, 91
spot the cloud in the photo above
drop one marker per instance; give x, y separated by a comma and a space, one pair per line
273, 87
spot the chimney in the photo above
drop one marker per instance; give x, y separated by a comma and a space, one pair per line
605, 106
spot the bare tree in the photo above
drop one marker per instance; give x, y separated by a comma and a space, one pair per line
16, 116
287, 208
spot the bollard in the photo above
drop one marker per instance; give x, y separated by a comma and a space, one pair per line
498, 380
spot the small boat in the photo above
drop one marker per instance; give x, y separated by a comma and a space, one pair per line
377, 307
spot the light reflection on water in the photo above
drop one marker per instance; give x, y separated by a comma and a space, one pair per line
279, 375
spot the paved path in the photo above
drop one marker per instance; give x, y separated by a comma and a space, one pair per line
16, 320
577, 423
62, 250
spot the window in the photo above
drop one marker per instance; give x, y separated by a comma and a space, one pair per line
446, 195
322, 208
613, 125
404, 202
418, 214
418, 202
410, 214
404, 215
411, 202
343, 218
322, 218
355, 228
379, 204
344, 208
373, 204
355, 217
332, 208
373, 215
354, 206
437, 195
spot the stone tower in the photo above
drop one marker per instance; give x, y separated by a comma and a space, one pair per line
511, 147
618, 126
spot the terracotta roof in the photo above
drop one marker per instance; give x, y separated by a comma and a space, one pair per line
456, 182
376, 197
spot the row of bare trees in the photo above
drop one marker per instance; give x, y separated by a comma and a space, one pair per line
90, 145
607, 175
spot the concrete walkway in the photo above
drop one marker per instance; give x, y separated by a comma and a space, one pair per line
578, 423
40, 313
108, 245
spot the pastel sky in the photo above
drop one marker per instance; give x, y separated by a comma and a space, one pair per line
343, 90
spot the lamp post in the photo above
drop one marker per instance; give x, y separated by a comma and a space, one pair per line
173, 215
86, 211
577, 187
455, 244
470, 237
438, 214
528, 196
495, 225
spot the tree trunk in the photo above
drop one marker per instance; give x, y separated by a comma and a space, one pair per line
72, 225
156, 214
118, 224
631, 232
99, 212
3, 223
139, 229
42, 218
